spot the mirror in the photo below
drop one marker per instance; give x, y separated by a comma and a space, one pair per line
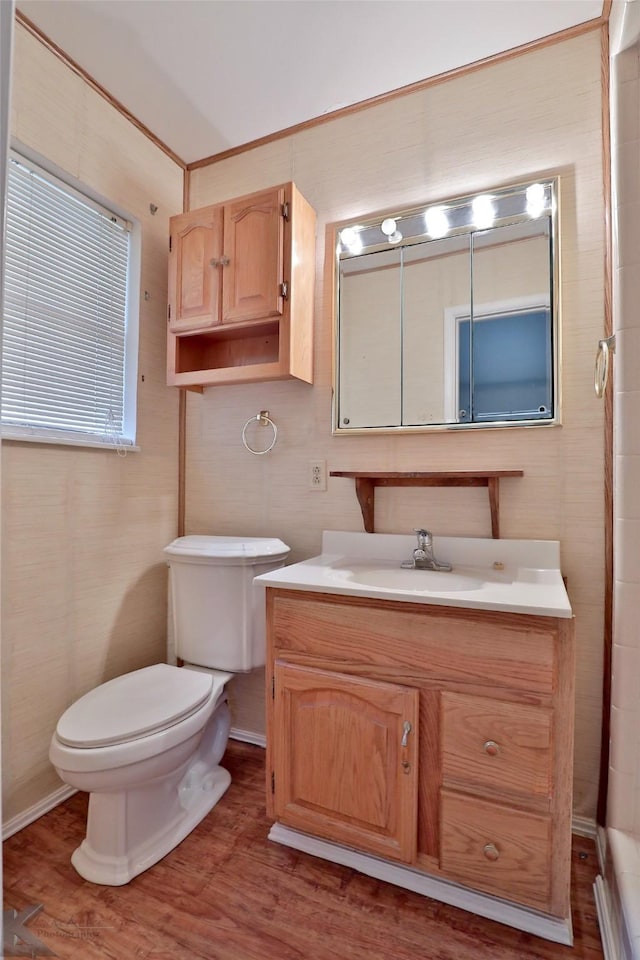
446, 316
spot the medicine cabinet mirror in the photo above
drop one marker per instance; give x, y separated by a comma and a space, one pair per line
446, 315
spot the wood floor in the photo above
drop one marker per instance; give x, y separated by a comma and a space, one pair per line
228, 893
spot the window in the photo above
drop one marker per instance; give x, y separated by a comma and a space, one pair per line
69, 351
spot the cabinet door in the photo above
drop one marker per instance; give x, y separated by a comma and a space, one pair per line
253, 257
345, 756
195, 270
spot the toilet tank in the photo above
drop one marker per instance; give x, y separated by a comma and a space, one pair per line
218, 614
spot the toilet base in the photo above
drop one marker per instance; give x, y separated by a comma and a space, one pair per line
130, 829
198, 793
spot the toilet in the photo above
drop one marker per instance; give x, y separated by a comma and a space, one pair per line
147, 746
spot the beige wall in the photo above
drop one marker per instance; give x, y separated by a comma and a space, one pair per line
536, 114
84, 586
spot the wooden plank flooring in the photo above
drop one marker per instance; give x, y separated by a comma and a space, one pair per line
228, 893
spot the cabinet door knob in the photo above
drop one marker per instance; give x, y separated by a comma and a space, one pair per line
491, 852
224, 261
491, 748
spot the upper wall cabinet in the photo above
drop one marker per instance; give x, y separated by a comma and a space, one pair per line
241, 279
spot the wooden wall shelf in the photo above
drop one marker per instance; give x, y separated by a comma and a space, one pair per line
366, 483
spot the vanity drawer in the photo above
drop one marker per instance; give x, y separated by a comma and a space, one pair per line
441, 643
496, 849
497, 745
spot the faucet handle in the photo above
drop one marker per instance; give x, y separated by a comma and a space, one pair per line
423, 535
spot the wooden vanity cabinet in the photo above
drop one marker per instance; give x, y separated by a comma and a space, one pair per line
241, 278
477, 789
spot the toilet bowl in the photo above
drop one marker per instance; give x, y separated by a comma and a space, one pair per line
147, 745
150, 764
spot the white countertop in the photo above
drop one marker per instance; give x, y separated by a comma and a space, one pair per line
515, 576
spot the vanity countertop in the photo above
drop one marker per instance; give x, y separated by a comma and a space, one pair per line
514, 576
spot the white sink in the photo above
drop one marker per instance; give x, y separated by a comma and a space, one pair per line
517, 576
418, 581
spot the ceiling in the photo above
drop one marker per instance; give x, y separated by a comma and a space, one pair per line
205, 76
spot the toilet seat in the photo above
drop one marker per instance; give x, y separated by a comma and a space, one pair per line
161, 739
135, 705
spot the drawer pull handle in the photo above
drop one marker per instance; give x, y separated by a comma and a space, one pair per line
491, 748
491, 852
406, 730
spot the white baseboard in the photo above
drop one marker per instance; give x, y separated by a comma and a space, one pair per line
605, 922
542, 925
584, 827
601, 847
248, 736
38, 810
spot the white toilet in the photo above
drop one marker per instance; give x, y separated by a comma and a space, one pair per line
147, 746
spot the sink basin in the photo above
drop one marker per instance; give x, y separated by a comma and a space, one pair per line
420, 581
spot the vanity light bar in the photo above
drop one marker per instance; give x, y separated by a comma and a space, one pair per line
464, 215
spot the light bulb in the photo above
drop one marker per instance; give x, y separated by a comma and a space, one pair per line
484, 211
535, 199
436, 222
350, 238
388, 226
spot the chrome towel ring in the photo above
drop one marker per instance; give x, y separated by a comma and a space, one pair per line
264, 420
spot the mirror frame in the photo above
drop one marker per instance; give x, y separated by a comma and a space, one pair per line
336, 251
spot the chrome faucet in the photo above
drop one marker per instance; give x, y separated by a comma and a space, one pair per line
422, 557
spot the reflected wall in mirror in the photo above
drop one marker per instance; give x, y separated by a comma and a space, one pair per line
446, 316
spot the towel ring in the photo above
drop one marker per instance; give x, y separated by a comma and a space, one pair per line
263, 419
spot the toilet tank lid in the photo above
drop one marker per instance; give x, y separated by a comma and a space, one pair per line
238, 549
134, 705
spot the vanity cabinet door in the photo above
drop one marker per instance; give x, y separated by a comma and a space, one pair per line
195, 277
345, 759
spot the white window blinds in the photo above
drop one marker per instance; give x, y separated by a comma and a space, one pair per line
65, 312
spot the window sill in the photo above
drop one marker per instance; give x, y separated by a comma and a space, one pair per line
34, 436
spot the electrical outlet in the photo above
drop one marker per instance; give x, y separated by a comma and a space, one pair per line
317, 474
